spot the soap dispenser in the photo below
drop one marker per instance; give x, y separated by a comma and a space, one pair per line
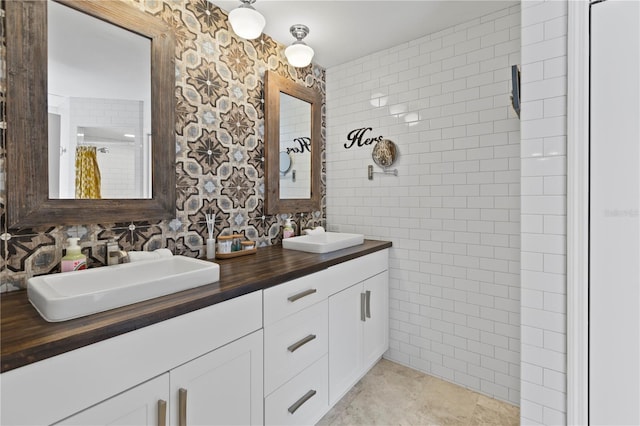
288, 229
73, 260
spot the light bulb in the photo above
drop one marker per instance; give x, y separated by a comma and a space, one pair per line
299, 55
247, 22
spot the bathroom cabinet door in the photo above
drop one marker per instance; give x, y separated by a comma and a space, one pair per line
222, 387
358, 332
145, 404
375, 328
345, 341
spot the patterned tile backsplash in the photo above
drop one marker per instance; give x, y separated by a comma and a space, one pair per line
219, 150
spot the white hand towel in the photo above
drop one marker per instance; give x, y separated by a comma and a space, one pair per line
163, 252
314, 231
137, 256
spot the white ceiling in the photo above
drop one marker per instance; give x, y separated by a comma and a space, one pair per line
343, 30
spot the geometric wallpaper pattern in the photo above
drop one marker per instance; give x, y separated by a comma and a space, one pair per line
219, 150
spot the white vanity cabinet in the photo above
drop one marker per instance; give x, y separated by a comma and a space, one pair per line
280, 356
323, 332
214, 354
222, 387
358, 321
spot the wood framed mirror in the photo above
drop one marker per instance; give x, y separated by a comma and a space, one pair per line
28, 196
292, 125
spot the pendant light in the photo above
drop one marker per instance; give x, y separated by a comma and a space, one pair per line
299, 54
246, 22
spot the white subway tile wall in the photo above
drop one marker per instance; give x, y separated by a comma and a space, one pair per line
544, 175
453, 211
118, 171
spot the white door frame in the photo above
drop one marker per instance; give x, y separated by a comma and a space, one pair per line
578, 213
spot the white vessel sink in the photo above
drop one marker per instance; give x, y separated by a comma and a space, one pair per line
324, 242
68, 295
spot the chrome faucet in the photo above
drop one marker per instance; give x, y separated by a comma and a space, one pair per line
115, 256
299, 224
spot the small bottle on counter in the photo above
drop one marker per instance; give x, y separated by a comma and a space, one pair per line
224, 243
236, 245
73, 260
211, 248
288, 232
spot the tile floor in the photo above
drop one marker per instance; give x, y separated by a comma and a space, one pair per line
392, 394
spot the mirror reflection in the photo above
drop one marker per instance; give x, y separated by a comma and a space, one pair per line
285, 162
292, 126
295, 140
99, 107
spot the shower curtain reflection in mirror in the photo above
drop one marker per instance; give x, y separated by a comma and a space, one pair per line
87, 173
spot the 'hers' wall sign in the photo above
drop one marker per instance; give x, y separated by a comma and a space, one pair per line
357, 137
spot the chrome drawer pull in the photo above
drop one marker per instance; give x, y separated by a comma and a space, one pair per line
301, 401
301, 295
182, 407
162, 412
297, 345
363, 302
368, 310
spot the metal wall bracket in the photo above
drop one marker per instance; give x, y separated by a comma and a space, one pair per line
385, 171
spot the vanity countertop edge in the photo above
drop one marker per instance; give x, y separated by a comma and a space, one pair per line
26, 338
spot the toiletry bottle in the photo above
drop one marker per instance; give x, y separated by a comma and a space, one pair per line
288, 229
211, 248
73, 260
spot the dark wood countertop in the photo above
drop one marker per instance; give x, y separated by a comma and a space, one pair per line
26, 338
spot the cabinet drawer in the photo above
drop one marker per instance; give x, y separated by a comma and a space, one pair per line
301, 401
294, 343
354, 271
293, 296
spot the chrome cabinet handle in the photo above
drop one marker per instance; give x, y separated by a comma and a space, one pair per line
297, 345
182, 407
307, 396
363, 302
162, 412
368, 309
301, 295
